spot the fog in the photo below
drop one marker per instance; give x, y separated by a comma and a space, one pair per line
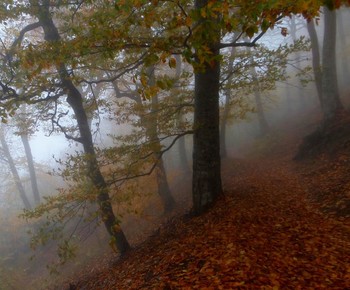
292, 96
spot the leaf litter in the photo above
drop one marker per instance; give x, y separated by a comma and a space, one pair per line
266, 232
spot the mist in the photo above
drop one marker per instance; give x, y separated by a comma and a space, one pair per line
280, 93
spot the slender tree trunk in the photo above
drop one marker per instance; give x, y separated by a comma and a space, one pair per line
206, 182
32, 174
14, 171
316, 60
151, 124
345, 58
182, 151
182, 141
223, 126
293, 32
263, 124
75, 100
225, 114
331, 105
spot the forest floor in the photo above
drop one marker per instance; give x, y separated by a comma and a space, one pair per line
281, 224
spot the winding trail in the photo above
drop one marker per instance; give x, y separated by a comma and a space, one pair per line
263, 234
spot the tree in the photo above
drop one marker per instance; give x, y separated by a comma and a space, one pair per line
181, 115
64, 86
298, 58
264, 126
148, 113
197, 32
226, 111
343, 48
331, 105
316, 60
75, 100
24, 130
333, 111
8, 157
206, 182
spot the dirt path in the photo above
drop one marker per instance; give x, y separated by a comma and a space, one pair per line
264, 234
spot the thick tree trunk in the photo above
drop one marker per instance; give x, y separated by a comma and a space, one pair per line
206, 185
331, 105
316, 60
206, 182
32, 174
14, 171
75, 100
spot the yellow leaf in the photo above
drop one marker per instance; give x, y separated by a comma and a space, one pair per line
172, 62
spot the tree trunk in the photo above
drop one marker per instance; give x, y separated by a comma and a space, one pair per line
75, 100
345, 58
206, 182
263, 124
14, 171
151, 124
32, 174
225, 114
293, 33
223, 126
331, 105
315, 58
182, 141
182, 151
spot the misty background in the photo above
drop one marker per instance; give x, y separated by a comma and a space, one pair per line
271, 91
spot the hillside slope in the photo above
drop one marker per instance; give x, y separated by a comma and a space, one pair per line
273, 229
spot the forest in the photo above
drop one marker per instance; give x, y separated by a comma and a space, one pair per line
174, 144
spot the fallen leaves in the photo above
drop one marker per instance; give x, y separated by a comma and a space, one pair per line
264, 234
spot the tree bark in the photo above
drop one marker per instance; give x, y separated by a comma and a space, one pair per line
342, 40
14, 171
32, 174
75, 100
263, 125
206, 182
182, 152
315, 58
225, 114
151, 124
293, 33
331, 105
184, 164
223, 126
